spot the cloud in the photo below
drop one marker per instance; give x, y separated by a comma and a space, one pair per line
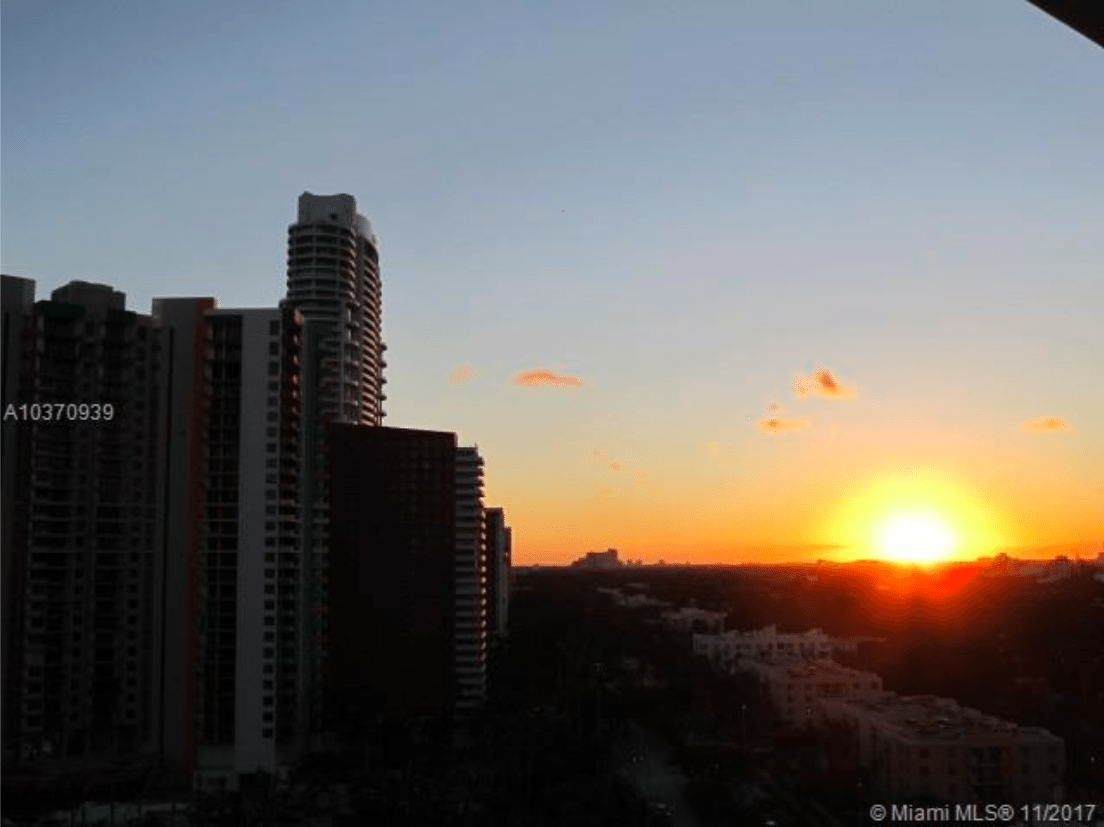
461, 375
1047, 424
822, 383
536, 378
613, 464
774, 425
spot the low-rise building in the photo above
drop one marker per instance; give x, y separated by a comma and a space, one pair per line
727, 649
924, 746
795, 686
691, 619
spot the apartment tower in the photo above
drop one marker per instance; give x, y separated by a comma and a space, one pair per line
333, 279
471, 632
78, 523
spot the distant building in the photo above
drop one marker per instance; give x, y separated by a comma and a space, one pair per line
695, 620
499, 538
599, 560
924, 746
767, 644
632, 601
795, 686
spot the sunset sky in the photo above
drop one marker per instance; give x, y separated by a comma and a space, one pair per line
705, 282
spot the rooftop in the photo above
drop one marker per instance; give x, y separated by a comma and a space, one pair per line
930, 718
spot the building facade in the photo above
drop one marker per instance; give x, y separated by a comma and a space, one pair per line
333, 279
471, 638
767, 644
248, 709
79, 523
693, 619
924, 747
409, 594
499, 538
795, 687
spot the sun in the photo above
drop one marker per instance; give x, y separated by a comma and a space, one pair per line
915, 538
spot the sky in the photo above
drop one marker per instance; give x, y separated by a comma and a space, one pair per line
705, 282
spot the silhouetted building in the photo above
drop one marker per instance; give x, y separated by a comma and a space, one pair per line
182, 448
599, 560
499, 542
78, 523
407, 610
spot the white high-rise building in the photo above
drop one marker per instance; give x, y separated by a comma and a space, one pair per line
471, 633
230, 692
333, 279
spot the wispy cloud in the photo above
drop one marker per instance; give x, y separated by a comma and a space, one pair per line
603, 458
537, 378
774, 422
1046, 424
774, 425
461, 375
822, 382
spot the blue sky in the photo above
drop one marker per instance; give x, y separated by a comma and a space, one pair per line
683, 205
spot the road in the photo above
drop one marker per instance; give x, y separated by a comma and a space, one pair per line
653, 775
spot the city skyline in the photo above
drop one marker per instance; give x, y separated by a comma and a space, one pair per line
732, 285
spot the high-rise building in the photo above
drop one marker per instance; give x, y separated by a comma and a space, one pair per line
233, 525
79, 523
17, 306
470, 566
393, 536
182, 387
499, 541
333, 279
408, 607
